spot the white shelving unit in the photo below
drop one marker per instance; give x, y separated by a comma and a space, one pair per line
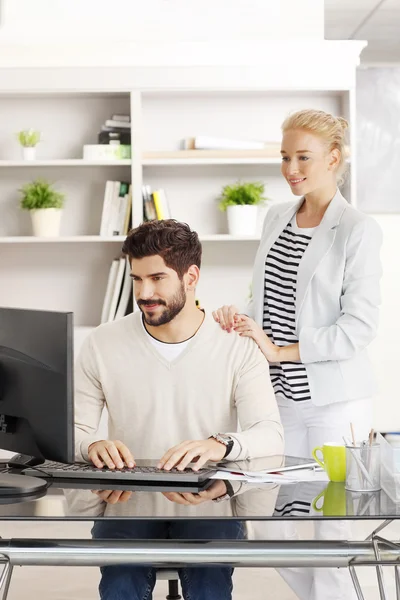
69, 106
72, 162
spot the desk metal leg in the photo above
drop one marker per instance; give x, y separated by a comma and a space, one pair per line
5, 580
356, 583
379, 571
378, 529
397, 580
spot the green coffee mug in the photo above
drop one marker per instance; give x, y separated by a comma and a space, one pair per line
334, 503
333, 460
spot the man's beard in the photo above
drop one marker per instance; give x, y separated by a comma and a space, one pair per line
171, 310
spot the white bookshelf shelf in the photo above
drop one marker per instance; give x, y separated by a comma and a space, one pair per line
198, 162
209, 157
157, 161
68, 162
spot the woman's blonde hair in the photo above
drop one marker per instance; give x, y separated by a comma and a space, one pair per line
332, 129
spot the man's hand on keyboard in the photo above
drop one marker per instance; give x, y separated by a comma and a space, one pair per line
181, 455
114, 455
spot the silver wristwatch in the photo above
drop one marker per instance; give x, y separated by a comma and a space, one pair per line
224, 439
228, 494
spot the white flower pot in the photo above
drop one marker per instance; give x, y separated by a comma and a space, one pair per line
242, 219
46, 222
29, 152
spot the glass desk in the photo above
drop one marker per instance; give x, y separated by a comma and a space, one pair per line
256, 506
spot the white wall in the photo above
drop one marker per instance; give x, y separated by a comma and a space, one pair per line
378, 162
101, 32
384, 351
161, 20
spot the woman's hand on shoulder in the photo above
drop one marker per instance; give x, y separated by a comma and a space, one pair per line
247, 327
225, 316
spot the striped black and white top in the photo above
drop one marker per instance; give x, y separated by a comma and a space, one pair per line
289, 379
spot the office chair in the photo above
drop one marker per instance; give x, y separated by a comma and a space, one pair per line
173, 583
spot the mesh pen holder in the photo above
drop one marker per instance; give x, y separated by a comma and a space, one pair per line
363, 468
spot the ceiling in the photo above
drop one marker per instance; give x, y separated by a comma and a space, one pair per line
377, 21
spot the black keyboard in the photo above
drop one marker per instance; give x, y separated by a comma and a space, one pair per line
138, 473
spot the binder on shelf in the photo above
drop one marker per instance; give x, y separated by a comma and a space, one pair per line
149, 210
121, 210
158, 205
105, 215
118, 298
128, 214
112, 275
117, 209
119, 279
161, 204
126, 293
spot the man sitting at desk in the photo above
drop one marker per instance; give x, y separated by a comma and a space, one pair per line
171, 379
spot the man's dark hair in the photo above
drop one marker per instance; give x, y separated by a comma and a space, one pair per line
175, 242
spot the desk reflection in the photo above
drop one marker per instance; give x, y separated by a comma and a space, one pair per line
221, 499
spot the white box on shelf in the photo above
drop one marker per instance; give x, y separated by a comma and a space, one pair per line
106, 151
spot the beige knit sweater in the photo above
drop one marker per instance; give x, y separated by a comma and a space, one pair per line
218, 384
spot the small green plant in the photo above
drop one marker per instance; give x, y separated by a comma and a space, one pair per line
28, 137
40, 194
241, 194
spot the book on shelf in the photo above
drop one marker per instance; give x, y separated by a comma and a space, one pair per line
119, 124
112, 275
115, 131
203, 142
118, 300
115, 137
125, 301
149, 210
116, 292
124, 118
117, 209
155, 204
161, 204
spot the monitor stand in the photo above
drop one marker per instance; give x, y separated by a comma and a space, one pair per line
12, 485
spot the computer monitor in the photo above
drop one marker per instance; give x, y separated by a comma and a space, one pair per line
36, 383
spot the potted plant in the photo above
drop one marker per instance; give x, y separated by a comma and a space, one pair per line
241, 202
29, 138
45, 207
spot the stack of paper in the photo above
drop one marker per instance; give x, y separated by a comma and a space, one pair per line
285, 478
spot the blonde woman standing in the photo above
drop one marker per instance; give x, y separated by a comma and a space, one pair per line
315, 310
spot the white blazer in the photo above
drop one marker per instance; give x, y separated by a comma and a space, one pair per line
337, 298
